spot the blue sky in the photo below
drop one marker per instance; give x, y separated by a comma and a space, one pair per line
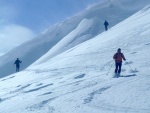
22, 20
39, 14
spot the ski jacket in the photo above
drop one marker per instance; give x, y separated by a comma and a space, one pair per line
106, 23
118, 57
17, 62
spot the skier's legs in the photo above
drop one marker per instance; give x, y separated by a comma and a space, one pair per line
116, 70
17, 69
120, 64
105, 28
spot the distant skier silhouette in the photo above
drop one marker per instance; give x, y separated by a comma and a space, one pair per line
17, 63
106, 25
118, 60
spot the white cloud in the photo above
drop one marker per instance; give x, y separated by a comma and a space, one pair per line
12, 36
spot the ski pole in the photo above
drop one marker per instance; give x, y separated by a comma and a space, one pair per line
130, 66
110, 68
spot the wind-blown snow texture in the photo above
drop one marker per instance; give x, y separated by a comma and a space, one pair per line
76, 81
70, 33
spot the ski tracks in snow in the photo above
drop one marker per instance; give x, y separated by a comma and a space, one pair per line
127, 104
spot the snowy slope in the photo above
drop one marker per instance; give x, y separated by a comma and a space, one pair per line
112, 10
86, 29
76, 81
30, 51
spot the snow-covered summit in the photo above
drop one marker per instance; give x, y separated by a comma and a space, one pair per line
76, 80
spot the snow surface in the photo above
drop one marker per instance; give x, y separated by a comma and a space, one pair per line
77, 80
70, 33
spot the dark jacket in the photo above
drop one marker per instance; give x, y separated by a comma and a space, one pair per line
106, 23
17, 62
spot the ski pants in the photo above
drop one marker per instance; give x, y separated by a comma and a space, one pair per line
17, 68
118, 67
106, 28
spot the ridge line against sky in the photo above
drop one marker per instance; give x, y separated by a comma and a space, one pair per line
39, 14
22, 20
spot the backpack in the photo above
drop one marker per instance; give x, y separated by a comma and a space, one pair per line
116, 56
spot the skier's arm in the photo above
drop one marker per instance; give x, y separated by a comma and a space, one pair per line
114, 57
123, 57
